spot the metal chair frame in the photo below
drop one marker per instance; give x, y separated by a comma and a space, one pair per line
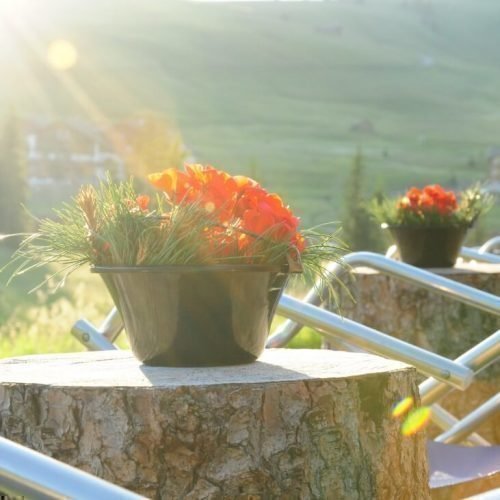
28, 474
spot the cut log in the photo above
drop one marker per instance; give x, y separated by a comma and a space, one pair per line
308, 424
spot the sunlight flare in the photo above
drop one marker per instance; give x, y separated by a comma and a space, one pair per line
402, 407
416, 421
62, 55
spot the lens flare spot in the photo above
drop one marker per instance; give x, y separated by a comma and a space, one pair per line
416, 421
210, 207
402, 407
62, 55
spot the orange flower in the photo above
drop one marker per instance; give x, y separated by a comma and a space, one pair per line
220, 243
299, 242
175, 184
256, 222
249, 198
432, 198
143, 202
271, 217
243, 182
214, 189
237, 201
217, 191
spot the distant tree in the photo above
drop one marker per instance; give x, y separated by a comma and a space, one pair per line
478, 234
13, 184
359, 229
153, 145
254, 171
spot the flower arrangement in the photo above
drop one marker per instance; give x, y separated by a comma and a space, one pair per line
429, 225
432, 206
202, 215
196, 272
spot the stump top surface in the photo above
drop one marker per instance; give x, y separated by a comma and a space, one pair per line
121, 369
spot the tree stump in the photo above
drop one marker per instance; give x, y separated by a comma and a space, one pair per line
298, 424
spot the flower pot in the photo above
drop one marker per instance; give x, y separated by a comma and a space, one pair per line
429, 246
196, 315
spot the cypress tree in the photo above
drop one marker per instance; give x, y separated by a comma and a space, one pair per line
13, 186
359, 230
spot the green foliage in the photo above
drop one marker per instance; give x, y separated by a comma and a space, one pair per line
360, 231
307, 338
154, 146
109, 226
40, 322
13, 188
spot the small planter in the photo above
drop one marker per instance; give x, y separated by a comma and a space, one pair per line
429, 246
196, 315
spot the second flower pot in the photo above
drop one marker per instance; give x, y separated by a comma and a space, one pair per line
196, 315
429, 246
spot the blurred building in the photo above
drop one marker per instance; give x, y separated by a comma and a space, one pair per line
69, 151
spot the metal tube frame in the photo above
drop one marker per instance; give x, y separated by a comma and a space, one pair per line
472, 421
477, 358
445, 420
471, 253
30, 474
490, 244
425, 279
102, 338
372, 340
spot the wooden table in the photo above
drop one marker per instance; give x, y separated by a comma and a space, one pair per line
296, 424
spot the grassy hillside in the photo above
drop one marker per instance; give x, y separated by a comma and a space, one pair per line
279, 85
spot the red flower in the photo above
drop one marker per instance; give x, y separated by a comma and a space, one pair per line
143, 202
270, 217
177, 185
220, 242
430, 199
233, 202
217, 191
299, 242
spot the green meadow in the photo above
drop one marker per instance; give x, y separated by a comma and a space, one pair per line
284, 91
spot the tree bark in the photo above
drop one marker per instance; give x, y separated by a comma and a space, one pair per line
298, 424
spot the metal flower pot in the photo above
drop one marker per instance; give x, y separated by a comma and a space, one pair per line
429, 246
196, 315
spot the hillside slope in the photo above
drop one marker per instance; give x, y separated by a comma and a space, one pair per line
290, 88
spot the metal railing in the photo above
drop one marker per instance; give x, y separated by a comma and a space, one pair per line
490, 245
369, 339
101, 338
29, 474
477, 358
473, 254
445, 420
424, 279
462, 429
